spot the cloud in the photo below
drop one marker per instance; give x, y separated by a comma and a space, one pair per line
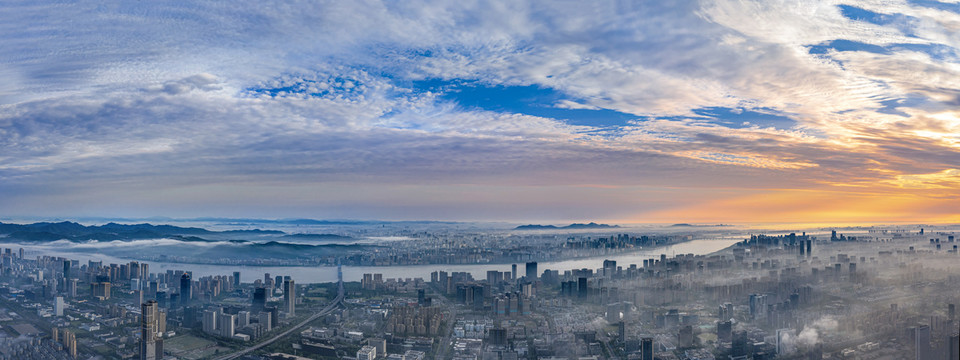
206, 82
810, 335
111, 102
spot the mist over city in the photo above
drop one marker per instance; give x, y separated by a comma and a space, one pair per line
464, 180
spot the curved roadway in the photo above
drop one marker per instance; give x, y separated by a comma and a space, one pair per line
336, 301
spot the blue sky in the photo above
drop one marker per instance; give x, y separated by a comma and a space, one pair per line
520, 111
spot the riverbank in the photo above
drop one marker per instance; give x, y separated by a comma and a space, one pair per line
325, 274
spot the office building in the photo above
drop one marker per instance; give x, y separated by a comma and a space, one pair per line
367, 352
494, 277
646, 349
921, 339
186, 289
379, 343
954, 346
685, 338
151, 331
274, 315
758, 306
72, 287
259, 300
609, 268
289, 296
532, 271
621, 332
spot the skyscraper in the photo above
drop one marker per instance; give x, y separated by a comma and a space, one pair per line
210, 318
921, 339
609, 268
226, 325
72, 287
186, 286
151, 344
532, 271
289, 296
494, 277
724, 331
477, 297
646, 348
622, 332
58, 305
236, 279
758, 306
739, 344
243, 319
955, 346
274, 315
265, 323
259, 300
100, 290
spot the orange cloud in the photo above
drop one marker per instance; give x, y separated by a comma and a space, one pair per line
793, 206
946, 179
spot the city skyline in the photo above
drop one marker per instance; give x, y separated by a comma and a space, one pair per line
628, 112
793, 296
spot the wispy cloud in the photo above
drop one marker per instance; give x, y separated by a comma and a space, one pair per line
151, 107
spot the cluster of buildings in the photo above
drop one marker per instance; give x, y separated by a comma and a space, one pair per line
128, 309
860, 295
458, 247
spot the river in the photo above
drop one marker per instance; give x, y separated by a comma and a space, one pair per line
323, 274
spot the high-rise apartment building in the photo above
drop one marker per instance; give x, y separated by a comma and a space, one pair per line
210, 318
226, 325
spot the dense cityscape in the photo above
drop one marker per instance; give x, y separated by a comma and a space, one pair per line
879, 293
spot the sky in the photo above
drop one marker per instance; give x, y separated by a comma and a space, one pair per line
724, 111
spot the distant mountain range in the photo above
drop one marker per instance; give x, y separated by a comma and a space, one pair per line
693, 225
247, 221
66, 230
574, 226
317, 237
